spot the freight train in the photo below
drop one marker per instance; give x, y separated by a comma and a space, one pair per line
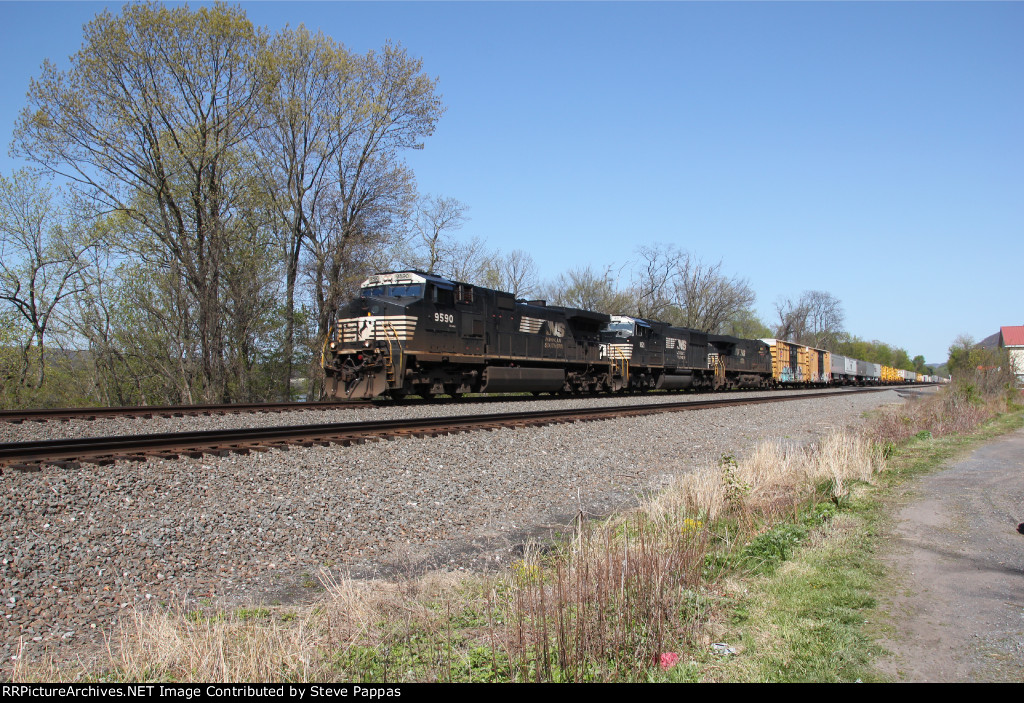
411, 332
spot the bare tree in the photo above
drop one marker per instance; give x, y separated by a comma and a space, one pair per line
677, 287
44, 245
437, 217
469, 260
709, 299
825, 321
584, 288
655, 282
792, 323
816, 319
515, 272
93, 315
353, 228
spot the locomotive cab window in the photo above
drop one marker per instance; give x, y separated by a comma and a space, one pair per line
442, 296
464, 294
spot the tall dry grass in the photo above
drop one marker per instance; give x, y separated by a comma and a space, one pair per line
312, 643
958, 408
624, 593
179, 645
772, 480
607, 605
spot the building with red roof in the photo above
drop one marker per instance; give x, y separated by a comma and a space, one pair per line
1012, 339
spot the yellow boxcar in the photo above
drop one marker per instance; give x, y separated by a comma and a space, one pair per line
793, 363
803, 355
819, 365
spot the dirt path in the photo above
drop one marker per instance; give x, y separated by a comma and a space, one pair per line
959, 563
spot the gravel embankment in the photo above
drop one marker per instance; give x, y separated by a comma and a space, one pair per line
79, 548
100, 427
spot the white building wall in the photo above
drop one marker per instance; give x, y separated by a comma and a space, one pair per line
1017, 359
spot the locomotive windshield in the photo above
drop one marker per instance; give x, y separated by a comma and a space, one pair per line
413, 290
621, 329
625, 327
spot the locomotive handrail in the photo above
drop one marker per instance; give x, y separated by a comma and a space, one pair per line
399, 371
323, 350
624, 366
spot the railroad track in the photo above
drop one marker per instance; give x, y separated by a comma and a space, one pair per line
148, 411
71, 453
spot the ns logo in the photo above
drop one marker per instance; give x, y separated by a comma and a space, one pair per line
367, 329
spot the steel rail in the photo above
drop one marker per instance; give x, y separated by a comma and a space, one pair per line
104, 450
148, 411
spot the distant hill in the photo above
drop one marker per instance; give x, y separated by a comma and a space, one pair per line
990, 342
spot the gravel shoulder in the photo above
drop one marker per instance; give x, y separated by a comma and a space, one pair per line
959, 561
82, 549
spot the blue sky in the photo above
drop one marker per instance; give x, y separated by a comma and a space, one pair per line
872, 150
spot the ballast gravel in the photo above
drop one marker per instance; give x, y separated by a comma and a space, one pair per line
109, 426
81, 549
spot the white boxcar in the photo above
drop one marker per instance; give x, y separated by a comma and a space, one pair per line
838, 365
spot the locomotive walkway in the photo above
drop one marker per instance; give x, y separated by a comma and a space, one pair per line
70, 453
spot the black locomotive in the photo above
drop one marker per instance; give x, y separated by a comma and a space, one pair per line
413, 332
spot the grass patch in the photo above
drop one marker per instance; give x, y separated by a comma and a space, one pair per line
921, 455
814, 617
800, 616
